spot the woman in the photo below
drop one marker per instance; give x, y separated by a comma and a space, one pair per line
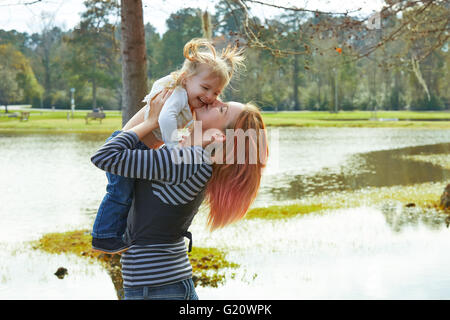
168, 192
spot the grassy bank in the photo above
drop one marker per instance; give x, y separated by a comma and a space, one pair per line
425, 196
207, 263
61, 122
58, 121
396, 119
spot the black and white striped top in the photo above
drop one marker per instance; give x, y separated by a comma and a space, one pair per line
178, 175
154, 265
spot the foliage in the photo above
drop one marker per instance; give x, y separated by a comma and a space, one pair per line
317, 77
183, 25
93, 49
18, 80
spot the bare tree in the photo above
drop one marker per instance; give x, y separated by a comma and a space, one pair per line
424, 23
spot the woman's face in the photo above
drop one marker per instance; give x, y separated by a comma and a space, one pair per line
219, 115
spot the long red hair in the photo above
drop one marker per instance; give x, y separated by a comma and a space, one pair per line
234, 185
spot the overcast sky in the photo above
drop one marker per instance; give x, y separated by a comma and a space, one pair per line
14, 14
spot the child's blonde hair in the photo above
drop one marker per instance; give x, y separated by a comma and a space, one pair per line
200, 52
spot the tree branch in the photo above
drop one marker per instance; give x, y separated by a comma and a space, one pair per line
21, 4
296, 9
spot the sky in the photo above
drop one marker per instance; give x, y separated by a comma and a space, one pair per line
16, 14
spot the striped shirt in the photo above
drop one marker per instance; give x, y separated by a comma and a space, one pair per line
154, 265
177, 176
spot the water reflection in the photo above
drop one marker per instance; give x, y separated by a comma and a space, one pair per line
351, 253
398, 217
383, 168
48, 184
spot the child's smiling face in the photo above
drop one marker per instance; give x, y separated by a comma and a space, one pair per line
203, 88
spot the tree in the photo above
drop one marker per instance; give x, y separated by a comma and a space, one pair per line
46, 48
134, 60
154, 52
182, 25
93, 47
426, 21
9, 89
18, 80
229, 16
17, 39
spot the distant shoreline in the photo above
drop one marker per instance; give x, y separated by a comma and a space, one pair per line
61, 121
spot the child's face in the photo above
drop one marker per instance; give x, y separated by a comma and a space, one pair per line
202, 88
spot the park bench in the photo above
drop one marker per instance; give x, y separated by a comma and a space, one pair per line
24, 116
95, 115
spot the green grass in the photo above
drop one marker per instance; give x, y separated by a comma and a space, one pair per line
57, 121
206, 262
287, 211
358, 119
426, 196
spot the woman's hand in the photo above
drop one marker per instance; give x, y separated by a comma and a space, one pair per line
146, 127
156, 105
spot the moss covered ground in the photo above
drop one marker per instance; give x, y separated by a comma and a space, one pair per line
207, 263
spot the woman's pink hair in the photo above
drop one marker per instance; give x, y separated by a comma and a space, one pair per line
233, 187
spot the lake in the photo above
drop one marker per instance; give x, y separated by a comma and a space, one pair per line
365, 251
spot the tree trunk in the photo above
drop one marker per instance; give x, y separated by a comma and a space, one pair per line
134, 60
319, 86
295, 83
47, 79
94, 93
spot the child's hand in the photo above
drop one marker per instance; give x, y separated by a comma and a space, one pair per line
185, 141
216, 139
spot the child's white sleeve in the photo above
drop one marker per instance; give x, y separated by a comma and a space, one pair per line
157, 87
169, 114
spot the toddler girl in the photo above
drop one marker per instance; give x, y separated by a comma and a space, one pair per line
199, 82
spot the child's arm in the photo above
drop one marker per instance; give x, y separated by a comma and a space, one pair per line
168, 117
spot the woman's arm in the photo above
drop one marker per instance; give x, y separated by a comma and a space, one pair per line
149, 140
135, 120
118, 156
173, 166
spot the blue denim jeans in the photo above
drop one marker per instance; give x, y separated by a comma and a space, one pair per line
111, 219
182, 290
